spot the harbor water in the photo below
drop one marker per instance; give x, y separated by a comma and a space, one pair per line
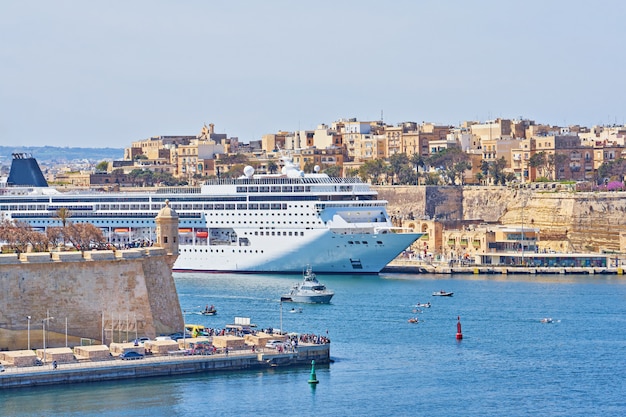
508, 363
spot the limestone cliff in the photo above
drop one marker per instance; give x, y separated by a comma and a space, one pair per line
568, 221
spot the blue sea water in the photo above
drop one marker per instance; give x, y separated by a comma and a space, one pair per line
508, 363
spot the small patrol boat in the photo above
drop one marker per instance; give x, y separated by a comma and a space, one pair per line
310, 290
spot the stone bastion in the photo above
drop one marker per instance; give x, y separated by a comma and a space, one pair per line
97, 297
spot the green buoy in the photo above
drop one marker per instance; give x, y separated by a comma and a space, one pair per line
313, 379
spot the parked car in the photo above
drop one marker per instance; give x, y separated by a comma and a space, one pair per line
162, 338
273, 344
2, 368
179, 335
131, 355
141, 341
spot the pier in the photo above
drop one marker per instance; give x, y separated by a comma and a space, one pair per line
161, 365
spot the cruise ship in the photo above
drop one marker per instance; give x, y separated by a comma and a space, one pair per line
254, 224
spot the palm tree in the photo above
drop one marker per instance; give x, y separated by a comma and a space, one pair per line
63, 213
272, 167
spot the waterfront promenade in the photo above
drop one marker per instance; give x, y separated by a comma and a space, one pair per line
420, 267
161, 365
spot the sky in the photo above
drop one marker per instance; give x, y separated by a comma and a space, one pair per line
107, 73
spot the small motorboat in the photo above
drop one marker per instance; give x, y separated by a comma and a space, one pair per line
547, 320
443, 293
209, 311
424, 305
294, 310
413, 320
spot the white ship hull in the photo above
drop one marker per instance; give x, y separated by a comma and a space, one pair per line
329, 252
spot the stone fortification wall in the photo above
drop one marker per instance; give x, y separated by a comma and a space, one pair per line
569, 221
581, 222
442, 203
115, 289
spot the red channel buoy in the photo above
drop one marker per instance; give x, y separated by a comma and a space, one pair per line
459, 334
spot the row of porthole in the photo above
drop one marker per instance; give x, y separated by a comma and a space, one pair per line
106, 222
244, 222
257, 214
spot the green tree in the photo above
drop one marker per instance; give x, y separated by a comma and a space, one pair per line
332, 170
459, 169
613, 170
352, 172
407, 176
538, 161
308, 166
272, 167
554, 162
397, 162
63, 214
372, 170
449, 161
496, 171
102, 166
417, 161
232, 159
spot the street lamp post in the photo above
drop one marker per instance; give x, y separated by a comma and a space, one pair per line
281, 316
522, 241
43, 328
184, 331
28, 317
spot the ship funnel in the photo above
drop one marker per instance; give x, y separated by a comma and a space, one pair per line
25, 171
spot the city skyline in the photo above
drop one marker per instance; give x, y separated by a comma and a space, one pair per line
106, 74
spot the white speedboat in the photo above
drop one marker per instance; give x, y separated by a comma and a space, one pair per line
310, 290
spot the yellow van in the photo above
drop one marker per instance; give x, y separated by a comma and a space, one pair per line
195, 330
